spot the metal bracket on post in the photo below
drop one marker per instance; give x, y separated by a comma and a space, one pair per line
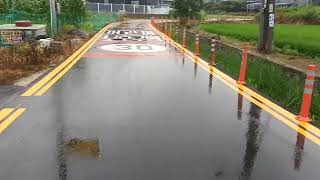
134, 9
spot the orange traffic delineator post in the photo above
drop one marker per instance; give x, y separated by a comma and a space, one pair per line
184, 38
307, 95
213, 44
176, 37
197, 45
242, 77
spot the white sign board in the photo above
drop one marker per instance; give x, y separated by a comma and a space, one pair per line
271, 20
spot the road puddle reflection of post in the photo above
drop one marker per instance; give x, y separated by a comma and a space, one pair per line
240, 105
299, 151
195, 70
254, 139
183, 60
210, 83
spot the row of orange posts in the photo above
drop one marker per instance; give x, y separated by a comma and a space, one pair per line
311, 73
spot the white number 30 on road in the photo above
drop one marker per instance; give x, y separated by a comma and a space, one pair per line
133, 48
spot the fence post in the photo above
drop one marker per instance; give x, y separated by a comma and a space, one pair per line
197, 45
307, 95
242, 77
184, 38
144, 9
111, 7
98, 7
176, 34
170, 31
123, 7
165, 27
213, 44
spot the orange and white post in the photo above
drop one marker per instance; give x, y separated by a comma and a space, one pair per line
197, 45
307, 95
213, 46
242, 76
184, 38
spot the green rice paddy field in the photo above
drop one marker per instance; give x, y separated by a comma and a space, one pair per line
289, 39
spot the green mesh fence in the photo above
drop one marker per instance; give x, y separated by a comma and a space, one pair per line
93, 22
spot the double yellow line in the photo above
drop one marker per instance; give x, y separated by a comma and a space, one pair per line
8, 116
309, 131
50, 79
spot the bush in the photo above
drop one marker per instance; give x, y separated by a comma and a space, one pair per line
67, 28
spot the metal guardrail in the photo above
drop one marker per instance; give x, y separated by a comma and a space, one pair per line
129, 8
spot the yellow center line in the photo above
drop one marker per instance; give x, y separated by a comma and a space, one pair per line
64, 71
273, 108
6, 123
5, 112
69, 60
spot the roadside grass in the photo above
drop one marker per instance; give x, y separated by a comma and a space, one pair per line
272, 80
289, 39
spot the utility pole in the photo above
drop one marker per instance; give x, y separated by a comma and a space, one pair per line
53, 17
267, 22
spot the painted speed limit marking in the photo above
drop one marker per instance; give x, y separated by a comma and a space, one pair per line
140, 48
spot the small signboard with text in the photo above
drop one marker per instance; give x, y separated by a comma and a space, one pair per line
11, 37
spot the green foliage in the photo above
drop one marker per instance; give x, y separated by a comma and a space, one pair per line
187, 8
67, 28
3, 7
73, 12
225, 6
32, 6
289, 39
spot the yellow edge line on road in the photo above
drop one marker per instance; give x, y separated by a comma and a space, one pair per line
53, 73
9, 120
229, 81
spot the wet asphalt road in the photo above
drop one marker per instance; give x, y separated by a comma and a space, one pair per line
148, 116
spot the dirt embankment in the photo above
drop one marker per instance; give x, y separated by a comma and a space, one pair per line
28, 58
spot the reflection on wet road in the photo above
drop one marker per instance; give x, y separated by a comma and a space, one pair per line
135, 108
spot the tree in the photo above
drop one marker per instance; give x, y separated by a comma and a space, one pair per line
3, 7
73, 11
187, 8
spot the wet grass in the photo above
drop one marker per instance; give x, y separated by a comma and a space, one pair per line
272, 80
289, 39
